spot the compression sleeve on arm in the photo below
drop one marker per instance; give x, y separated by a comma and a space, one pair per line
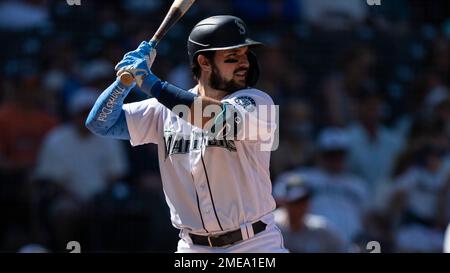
170, 95
107, 118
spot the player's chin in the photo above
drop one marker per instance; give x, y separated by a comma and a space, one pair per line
240, 80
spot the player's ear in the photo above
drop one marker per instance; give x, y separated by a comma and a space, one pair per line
204, 63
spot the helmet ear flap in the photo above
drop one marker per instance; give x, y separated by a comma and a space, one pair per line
253, 71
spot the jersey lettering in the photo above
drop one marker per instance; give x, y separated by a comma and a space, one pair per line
181, 144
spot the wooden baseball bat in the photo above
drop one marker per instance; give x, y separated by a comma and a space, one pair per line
176, 11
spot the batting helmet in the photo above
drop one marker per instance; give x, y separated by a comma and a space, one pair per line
223, 32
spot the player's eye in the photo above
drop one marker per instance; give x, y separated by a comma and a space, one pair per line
230, 60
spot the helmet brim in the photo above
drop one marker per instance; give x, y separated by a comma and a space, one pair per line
248, 42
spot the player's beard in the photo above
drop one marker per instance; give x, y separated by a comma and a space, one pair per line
219, 83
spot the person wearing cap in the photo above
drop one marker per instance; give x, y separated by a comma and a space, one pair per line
374, 147
339, 196
213, 144
303, 232
418, 201
24, 124
75, 165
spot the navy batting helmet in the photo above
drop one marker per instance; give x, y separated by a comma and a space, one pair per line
223, 32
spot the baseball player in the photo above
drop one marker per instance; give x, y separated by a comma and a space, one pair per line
215, 174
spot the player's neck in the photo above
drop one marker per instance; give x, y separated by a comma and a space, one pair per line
205, 90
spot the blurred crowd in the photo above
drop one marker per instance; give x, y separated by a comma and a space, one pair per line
364, 95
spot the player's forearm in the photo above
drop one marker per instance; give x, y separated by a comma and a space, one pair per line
172, 96
107, 117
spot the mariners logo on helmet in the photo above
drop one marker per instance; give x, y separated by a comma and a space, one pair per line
219, 32
240, 26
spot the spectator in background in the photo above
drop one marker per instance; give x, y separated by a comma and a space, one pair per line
338, 195
76, 165
131, 216
302, 232
373, 147
432, 85
341, 89
23, 14
296, 147
24, 122
96, 73
272, 77
59, 77
430, 90
419, 202
334, 15
92, 74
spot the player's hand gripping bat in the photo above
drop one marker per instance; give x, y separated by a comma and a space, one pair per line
176, 11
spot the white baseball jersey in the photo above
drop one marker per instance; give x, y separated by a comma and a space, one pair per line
211, 186
340, 198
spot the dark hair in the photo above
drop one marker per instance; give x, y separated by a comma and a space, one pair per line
195, 67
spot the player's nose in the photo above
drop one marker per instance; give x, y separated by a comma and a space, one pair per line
244, 63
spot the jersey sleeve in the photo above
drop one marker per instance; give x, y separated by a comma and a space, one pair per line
254, 114
144, 121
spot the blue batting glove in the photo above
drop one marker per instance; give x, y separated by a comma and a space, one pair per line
137, 63
129, 58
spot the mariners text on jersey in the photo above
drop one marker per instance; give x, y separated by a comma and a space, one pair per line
182, 144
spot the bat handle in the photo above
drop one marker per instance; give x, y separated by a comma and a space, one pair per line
153, 42
126, 78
